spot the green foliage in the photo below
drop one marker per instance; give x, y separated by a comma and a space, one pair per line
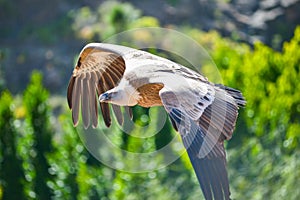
110, 18
37, 118
44, 33
11, 173
64, 161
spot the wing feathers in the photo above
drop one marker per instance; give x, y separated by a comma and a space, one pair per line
128, 111
236, 94
221, 114
212, 176
113, 75
93, 100
118, 114
203, 179
104, 106
203, 137
210, 169
97, 71
105, 113
204, 113
173, 123
76, 96
85, 110
117, 66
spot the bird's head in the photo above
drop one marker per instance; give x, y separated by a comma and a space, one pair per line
119, 97
108, 97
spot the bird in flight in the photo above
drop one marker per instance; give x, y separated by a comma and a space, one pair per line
202, 112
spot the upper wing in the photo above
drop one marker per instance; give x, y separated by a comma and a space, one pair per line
203, 134
99, 68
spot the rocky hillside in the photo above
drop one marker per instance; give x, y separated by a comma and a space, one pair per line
38, 34
270, 21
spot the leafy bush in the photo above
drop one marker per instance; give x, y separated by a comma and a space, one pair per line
110, 18
37, 119
11, 172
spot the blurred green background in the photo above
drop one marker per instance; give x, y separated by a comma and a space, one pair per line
254, 44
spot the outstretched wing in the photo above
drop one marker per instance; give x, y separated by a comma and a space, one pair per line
98, 69
204, 116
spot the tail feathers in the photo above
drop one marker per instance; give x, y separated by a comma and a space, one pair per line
236, 94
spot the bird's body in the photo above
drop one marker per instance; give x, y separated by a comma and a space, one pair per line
204, 113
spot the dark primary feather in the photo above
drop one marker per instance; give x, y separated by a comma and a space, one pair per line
118, 113
128, 111
236, 94
70, 91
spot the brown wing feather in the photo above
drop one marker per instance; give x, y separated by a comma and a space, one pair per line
104, 106
93, 101
97, 71
75, 99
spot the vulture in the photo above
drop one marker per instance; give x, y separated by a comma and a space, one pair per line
204, 113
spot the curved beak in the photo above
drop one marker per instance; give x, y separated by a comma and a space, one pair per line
105, 97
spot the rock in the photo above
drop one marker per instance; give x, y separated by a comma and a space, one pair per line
269, 4
287, 3
260, 18
28, 46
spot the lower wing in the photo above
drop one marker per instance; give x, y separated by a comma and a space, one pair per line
206, 154
203, 137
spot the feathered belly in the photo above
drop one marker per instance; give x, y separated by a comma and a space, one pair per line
149, 95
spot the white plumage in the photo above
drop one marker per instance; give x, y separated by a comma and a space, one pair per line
204, 113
